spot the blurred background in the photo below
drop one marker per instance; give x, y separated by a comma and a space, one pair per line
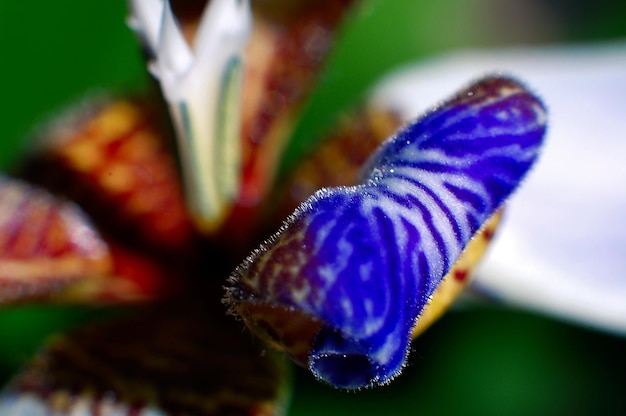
483, 360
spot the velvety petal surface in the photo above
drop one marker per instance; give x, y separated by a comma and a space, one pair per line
561, 248
287, 50
337, 162
362, 262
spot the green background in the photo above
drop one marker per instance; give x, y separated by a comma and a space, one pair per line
486, 360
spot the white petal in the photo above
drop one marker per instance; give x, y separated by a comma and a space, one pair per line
562, 249
14, 404
202, 85
174, 57
145, 19
221, 28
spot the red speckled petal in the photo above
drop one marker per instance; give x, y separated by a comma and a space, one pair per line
46, 243
134, 278
110, 158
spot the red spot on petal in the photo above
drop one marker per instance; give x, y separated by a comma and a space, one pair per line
460, 275
488, 233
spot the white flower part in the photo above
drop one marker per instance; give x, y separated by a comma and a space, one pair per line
145, 20
15, 404
562, 248
202, 85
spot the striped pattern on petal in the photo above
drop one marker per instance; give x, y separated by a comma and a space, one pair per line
365, 260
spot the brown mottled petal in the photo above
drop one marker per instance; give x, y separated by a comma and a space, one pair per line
46, 243
177, 360
109, 157
285, 54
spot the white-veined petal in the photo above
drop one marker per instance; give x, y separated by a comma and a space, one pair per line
562, 248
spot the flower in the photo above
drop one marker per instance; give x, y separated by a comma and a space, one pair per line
110, 398
546, 277
201, 83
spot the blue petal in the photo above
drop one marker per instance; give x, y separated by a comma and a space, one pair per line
561, 249
365, 260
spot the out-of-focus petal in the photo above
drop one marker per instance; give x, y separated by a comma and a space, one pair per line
229, 148
561, 250
50, 250
46, 244
145, 19
337, 160
108, 156
286, 52
198, 64
179, 359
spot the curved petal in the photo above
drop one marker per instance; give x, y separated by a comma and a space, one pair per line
46, 244
201, 81
337, 162
286, 51
179, 359
561, 250
233, 104
145, 19
49, 249
108, 156
362, 262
